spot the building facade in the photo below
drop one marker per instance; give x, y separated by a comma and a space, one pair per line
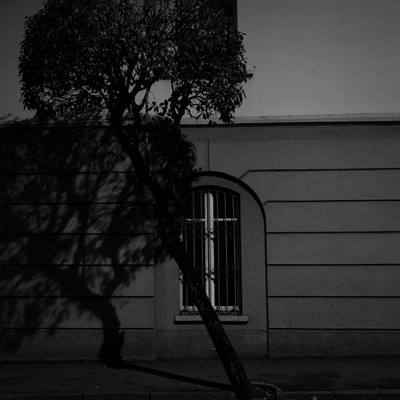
296, 228
294, 218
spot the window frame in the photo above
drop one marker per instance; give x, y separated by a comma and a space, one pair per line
208, 236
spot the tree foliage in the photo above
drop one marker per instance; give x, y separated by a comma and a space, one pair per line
90, 55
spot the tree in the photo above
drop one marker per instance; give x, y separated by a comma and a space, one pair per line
91, 56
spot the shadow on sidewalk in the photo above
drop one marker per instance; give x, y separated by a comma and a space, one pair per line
177, 377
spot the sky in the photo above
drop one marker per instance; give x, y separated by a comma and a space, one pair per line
12, 18
309, 57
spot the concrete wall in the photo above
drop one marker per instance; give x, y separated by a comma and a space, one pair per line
67, 253
320, 223
331, 198
248, 332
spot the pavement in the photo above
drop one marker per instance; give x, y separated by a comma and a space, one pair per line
294, 379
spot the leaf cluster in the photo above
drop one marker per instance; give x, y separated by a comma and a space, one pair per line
209, 66
84, 56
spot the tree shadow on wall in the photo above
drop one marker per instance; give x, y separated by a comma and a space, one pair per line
76, 226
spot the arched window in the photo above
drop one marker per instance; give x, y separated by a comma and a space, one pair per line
212, 239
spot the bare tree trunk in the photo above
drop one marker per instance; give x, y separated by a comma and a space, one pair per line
227, 354
169, 236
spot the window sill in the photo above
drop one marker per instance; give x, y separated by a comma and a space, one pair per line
225, 319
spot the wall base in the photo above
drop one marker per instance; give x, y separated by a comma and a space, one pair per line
74, 345
311, 343
197, 344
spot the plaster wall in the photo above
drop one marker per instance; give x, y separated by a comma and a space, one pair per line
331, 199
62, 244
320, 272
190, 339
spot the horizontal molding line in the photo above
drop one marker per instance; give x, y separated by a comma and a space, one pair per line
28, 126
89, 125
315, 119
336, 329
327, 201
332, 201
334, 265
328, 232
318, 170
94, 297
330, 297
75, 173
74, 265
43, 328
77, 234
77, 203
263, 120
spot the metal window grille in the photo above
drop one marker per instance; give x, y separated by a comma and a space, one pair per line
212, 239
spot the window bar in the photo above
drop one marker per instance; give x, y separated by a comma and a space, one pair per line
217, 269
193, 227
235, 258
182, 301
239, 260
202, 235
206, 245
209, 208
226, 255
211, 265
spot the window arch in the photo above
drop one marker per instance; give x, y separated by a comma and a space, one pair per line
212, 239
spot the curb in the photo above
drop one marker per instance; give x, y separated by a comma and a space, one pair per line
367, 394
309, 395
387, 394
157, 395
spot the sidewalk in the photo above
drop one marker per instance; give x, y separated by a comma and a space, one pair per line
314, 379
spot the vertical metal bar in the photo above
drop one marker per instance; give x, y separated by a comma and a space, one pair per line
211, 265
202, 234
209, 208
226, 253
238, 255
234, 270
206, 245
217, 236
182, 302
193, 227
238, 296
